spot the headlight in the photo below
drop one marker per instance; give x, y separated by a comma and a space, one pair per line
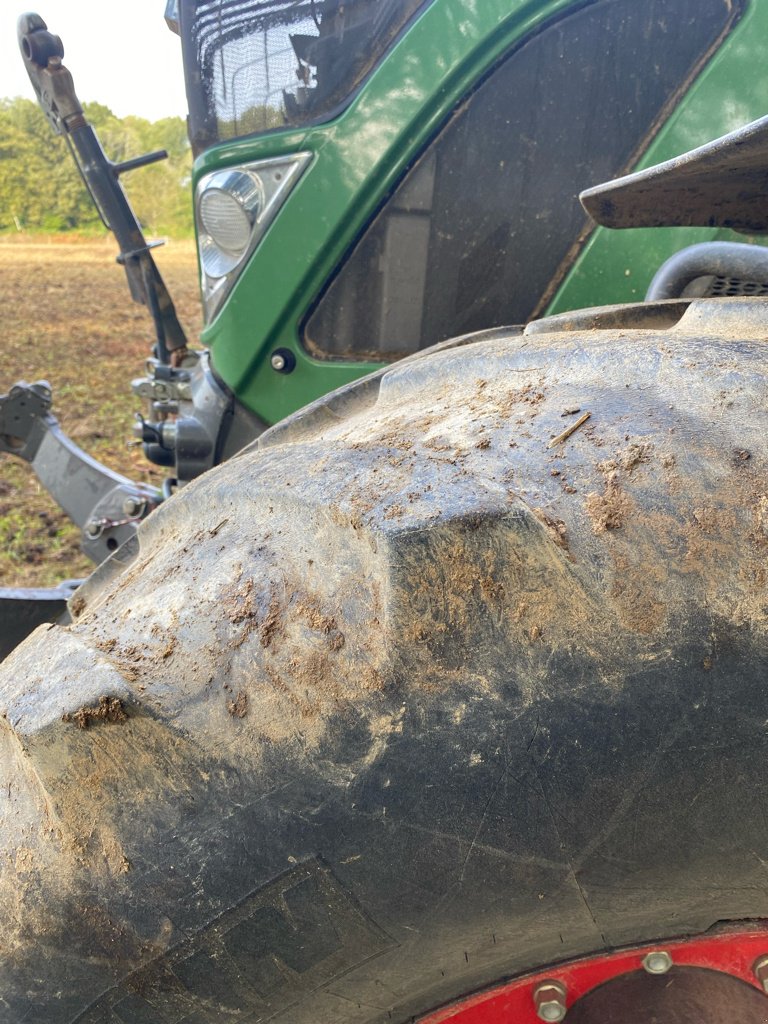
234, 207
228, 209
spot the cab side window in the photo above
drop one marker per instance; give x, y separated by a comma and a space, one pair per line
484, 226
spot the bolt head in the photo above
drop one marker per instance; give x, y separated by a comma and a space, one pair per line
549, 1000
132, 506
93, 529
551, 1010
658, 961
760, 970
277, 362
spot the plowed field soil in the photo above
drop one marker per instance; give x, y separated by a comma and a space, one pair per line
68, 318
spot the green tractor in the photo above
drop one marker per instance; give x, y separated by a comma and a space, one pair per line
443, 699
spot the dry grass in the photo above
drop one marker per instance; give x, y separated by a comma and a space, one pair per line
68, 318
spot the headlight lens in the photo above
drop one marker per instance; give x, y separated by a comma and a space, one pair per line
228, 216
234, 208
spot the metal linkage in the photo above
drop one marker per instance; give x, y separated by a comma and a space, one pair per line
207, 426
104, 504
42, 52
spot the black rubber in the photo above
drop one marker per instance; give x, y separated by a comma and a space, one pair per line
409, 698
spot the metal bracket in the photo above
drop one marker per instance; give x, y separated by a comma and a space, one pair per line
24, 609
104, 504
208, 425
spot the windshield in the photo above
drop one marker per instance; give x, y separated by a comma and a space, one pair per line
254, 65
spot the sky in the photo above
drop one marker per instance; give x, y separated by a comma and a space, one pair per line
120, 54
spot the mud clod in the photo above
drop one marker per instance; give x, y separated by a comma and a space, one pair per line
109, 709
238, 707
556, 528
634, 456
271, 627
310, 611
322, 623
394, 512
242, 605
336, 640
609, 510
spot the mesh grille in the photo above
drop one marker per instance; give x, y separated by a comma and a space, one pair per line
262, 64
736, 286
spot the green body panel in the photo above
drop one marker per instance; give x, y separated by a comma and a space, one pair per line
617, 266
358, 158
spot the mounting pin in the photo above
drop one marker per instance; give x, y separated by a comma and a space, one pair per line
283, 360
133, 506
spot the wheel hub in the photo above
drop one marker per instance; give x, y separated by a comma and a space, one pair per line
712, 979
686, 995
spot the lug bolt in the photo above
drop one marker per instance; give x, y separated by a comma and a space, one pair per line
278, 362
93, 529
132, 506
658, 961
549, 1000
760, 970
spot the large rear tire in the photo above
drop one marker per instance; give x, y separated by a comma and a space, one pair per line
404, 701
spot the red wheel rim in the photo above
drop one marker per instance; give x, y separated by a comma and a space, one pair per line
734, 952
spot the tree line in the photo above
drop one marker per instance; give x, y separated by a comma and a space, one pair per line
42, 191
